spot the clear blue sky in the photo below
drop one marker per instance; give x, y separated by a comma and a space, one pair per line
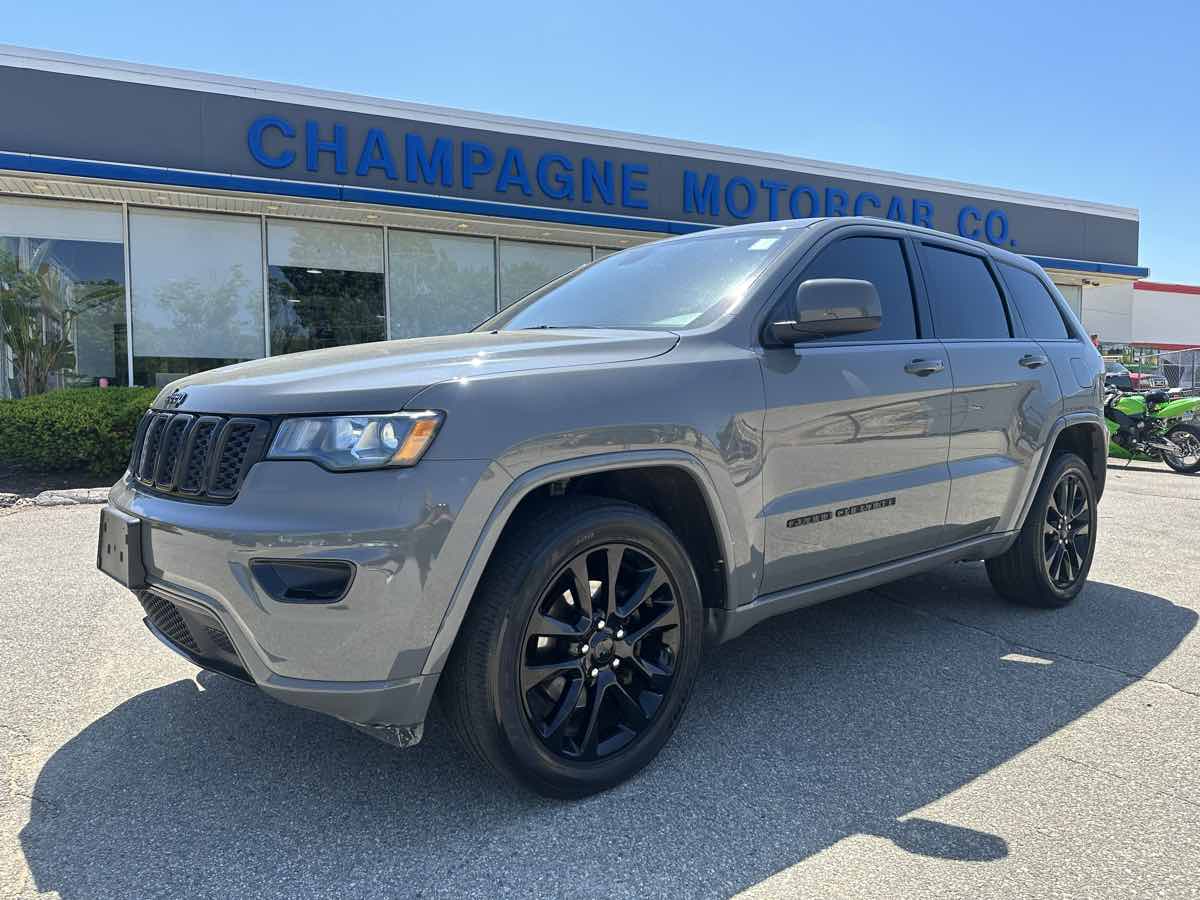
1095, 101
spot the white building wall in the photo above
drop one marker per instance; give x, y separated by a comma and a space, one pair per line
1166, 317
1121, 314
1108, 312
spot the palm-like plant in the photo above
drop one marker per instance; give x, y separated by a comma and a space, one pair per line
39, 306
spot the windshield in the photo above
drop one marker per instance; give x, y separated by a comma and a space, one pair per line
1115, 368
674, 285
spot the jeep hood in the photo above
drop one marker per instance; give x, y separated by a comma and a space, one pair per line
385, 376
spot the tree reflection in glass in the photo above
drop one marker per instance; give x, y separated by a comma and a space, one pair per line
314, 308
62, 313
525, 267
441, 284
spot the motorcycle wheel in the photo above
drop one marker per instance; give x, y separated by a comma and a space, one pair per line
1186, 437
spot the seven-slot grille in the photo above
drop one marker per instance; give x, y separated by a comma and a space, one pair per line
200, 457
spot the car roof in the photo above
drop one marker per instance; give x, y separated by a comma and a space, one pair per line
823, 224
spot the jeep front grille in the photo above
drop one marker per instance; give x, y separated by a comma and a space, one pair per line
199, 457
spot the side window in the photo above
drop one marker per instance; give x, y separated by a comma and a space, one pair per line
879, 260
1037, 308
966, 301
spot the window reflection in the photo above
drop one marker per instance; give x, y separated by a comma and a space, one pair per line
316, 308
525, 267
325, 285
440, 284
63, 315
62, 295
197, 292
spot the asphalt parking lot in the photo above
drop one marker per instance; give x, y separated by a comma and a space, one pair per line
920, 740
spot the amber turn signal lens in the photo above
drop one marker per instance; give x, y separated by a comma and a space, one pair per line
420, 436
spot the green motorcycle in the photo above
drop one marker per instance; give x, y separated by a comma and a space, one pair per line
1155, 425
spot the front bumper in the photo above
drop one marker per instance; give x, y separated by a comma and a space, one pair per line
360, 658
391, 710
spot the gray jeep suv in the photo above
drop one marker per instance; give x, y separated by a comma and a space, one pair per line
545, 522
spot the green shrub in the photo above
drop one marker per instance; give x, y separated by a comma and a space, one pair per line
72, 429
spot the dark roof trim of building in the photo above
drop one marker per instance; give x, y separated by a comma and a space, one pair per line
1082, 265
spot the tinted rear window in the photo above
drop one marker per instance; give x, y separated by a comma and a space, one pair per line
1037, 308
966, 302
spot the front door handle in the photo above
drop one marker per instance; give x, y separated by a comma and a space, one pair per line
924, 367
1033, 360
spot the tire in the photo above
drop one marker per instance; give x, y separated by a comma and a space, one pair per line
1189, 435
521, 692
1047, 566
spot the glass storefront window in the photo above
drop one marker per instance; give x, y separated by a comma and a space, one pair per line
197, 292
62, 286
197, 283
525, 267
326, 285
440, 284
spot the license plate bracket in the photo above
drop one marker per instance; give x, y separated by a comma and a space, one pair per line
119, 550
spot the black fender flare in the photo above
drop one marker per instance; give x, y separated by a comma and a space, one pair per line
489, 535
1064, 422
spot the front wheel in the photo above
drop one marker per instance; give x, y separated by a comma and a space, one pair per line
1048, 564
1187, 438
579, 650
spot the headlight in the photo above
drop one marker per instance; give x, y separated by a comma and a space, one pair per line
344, 443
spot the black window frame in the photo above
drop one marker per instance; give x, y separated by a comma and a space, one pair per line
790, 281
1015, 326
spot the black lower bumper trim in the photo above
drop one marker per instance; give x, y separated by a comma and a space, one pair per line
196, 636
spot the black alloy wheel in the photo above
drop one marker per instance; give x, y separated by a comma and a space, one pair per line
1067, 533
579, 649
1048, 563
599, 652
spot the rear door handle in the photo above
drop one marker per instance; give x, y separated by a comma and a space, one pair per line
1033, 360
924, 367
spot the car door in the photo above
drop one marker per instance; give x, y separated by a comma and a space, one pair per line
1006, 395
1046, 318
857, 427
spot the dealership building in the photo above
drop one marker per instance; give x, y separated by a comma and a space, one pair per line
176, 221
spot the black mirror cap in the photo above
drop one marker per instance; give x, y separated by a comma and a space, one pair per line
830, 307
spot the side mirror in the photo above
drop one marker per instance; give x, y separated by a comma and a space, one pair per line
829, 307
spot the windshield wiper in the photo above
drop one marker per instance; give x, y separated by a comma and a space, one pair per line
560, 327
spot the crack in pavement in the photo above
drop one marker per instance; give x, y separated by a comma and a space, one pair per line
32, 798
1124, 779
1058, 654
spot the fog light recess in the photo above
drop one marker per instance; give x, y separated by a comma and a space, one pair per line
303, 581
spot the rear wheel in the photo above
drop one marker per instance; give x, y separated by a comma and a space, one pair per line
1048, 564
1187, 438
579, 650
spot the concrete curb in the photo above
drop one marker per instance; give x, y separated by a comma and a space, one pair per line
14, 503
71, 497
